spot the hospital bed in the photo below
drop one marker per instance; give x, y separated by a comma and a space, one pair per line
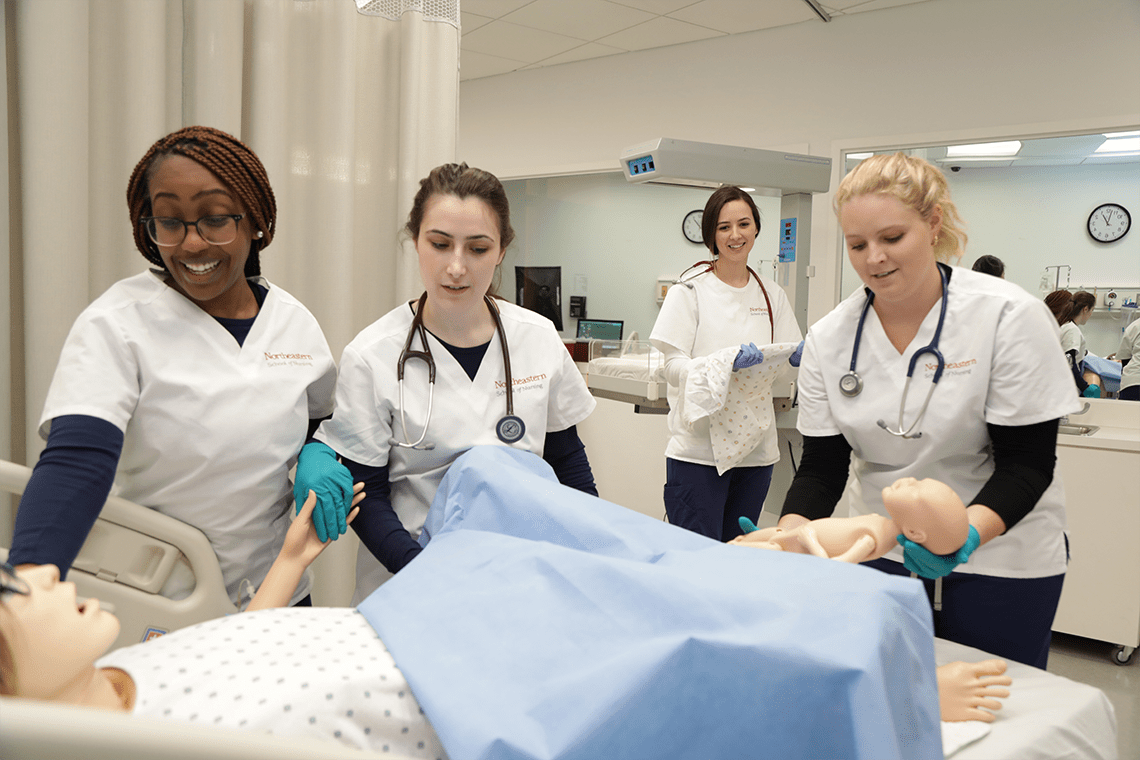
631, 371
129, 555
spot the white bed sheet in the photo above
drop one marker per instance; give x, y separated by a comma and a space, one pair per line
1045, 717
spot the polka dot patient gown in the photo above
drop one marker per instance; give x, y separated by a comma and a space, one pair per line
318, 672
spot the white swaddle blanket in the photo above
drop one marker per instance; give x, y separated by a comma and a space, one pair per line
738, 404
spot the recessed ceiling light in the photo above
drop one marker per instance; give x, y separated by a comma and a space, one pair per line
1119, 145
748, 189
1114, 135
858, 156
1007, 148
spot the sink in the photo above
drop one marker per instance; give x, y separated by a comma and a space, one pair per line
1077, 429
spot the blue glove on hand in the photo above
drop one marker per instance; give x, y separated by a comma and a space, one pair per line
918, 559
749, 356
318, 471
797, 355
1092, 391
747, 525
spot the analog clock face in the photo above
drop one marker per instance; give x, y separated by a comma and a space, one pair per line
692, 226
1109, 222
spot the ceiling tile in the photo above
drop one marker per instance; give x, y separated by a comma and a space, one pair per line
581, 53
474, 65
469, 22
658, 33
660, 6
524, 44
735, 16
493, 8
584, 19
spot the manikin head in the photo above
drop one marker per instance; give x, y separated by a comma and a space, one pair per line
49, 640
928, 512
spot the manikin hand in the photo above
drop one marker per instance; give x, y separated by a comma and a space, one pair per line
964, 688
303, 542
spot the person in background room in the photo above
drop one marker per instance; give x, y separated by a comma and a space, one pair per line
987, 427
990, 265
725, 305
1073, 311
167, 383
1126, 355
399, 437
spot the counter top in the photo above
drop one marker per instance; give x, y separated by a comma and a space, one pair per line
1118, 423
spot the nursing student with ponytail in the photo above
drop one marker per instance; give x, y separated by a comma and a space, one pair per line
192, 385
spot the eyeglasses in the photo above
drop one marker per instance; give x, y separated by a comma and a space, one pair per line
10, 583
217, 229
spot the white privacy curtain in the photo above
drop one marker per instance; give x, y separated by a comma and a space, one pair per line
347, 107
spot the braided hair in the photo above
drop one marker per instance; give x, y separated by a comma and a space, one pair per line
231, 161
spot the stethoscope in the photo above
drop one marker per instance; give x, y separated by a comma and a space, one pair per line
852, 385
510, 428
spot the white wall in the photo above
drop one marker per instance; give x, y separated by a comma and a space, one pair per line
620, 237
1036, 217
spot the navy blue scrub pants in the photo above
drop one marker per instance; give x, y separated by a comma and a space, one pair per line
700, 500
1007, 617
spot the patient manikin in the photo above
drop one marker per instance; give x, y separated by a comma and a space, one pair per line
267, 675
927, 512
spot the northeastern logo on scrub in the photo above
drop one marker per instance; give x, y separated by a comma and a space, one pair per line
757, 310
520, 384
287, 359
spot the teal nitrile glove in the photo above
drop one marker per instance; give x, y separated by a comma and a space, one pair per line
318, 471
918, 559
747, 525
749, 356
797, 355
1091, 391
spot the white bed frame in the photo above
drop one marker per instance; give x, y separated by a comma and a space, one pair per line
128, 556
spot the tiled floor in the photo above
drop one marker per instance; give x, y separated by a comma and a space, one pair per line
1088, 661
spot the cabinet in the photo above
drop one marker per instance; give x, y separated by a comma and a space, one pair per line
1101, 475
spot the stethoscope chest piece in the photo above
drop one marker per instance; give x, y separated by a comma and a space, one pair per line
510, 429
851, 384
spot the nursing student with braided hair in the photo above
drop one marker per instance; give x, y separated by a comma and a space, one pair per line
191, 386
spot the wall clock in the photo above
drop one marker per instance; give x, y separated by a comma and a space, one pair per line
691, 226
1109, 222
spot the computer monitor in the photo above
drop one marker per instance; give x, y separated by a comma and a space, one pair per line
600, 329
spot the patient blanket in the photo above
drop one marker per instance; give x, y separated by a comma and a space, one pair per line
540, 623
738, 403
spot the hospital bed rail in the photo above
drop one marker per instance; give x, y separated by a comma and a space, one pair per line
32, 730
129, 555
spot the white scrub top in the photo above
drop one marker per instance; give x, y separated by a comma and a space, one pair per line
1073, 338
1002, 367
210, 428
703, 315
1130, 349
549, 395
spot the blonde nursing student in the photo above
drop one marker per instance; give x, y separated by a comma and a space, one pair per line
933, 371
165, 383
452, 369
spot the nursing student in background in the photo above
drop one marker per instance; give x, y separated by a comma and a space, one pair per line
979, 411
1126, 355
166, 384
726, 304
453, 369
1073, 311
990, 265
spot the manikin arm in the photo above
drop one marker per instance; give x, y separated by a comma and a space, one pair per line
302, 546
964, 688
